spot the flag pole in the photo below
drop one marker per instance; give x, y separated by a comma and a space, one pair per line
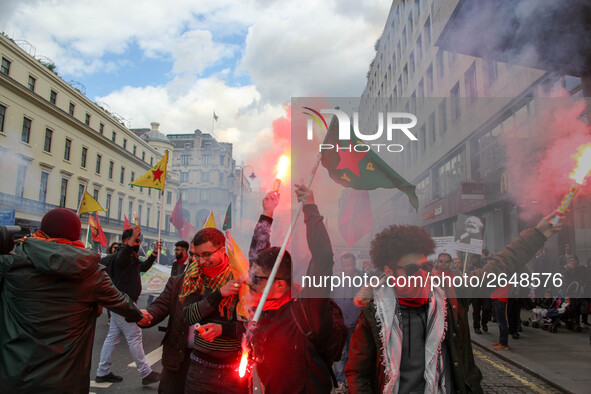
259, 309
81, 199
160, 223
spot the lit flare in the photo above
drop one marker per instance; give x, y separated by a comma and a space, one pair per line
282, 166
579, 173
243, 364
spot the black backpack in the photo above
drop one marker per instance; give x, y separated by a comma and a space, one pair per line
330, 349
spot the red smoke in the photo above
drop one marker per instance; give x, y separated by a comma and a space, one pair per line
539, 164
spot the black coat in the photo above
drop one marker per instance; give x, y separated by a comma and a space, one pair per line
48, 308
124, 267
174, 343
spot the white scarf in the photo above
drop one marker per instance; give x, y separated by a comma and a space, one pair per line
389, 319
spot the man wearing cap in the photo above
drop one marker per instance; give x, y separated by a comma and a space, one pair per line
51, 290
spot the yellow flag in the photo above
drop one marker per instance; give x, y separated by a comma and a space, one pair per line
89, 204
210, 222
154, 178
239, 266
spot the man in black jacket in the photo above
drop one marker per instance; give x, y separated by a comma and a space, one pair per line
124, 267
181, 258
279, 344
53, 289
176, 344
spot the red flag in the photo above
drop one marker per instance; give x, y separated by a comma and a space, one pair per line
176, 218
356, 220
102, 238
126, 223
184, 229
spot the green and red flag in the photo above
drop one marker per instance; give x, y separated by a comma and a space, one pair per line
96, 230
228, 218
361, 170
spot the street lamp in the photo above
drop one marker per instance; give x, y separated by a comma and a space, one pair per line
251, 176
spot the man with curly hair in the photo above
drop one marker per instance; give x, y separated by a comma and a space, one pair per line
410, 339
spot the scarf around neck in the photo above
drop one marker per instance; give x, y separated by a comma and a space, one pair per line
389, 321
197, 278
40, 235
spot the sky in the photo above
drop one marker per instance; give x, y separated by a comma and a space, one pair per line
177, 61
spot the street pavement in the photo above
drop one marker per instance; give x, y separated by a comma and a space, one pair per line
539, 362
560, 360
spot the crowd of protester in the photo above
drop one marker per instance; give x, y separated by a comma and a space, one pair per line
365, 339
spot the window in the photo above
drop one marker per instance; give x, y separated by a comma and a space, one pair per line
120, 208
221, 160
134, 150
132, 178
430, 79
87, 120
166, 222
184, 177
98, 163
450, 175
442, 117
53, 97
423, 138
5, 68
96, 194
124, 143
20, 181
491, 72
80, 192
204, 195
427, 33
108, 206
184, 195
48, 136
114, 137
151, 161
130, 210
83, 158
101, 128
2, 116
221, 178
43, 186
139, 213
26, 132
143, 156
455, 101
111, 165
122, 177
31, 84
71, 110
184, 160
205, 177
169, 197
432, 127
148, 216
67, 149
470, 77
63, 192
440, 64
205, 160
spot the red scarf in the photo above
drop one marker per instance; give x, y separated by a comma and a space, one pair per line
40, 235
183, 260
414, 296
212, 272
284, 299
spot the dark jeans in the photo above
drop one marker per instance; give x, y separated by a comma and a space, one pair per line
202, 379
514, 314
481, 305
500, 309
173, 382
339, 366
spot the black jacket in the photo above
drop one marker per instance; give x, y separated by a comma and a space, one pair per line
124, 266
287, 361
174, 343
48, 308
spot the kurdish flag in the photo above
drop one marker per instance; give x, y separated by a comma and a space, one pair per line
155, 177
362, 170
228, 218
89, 204
96, 230
239, 267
